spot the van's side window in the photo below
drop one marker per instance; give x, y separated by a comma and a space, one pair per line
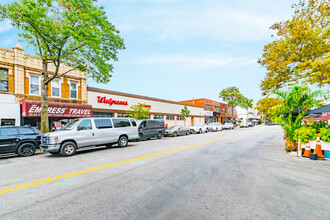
103, 123
143, 124
120, 123
133, 122
85, 125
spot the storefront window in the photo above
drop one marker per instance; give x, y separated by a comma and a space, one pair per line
7, 122
122, 115
34, 85
170, 117
103, 114
73, 90
216, 109
4, 80
179, 118
158, 116
208, 107
56, 88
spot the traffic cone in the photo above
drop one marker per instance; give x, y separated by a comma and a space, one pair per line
318, 148
307, 150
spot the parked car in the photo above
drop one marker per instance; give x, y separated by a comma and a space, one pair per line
19, 140
151, 128
199, 128
244, 125
228, 126
250, 124
87, 133
177, 130
215, 126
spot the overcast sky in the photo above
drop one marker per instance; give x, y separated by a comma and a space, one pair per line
185, 49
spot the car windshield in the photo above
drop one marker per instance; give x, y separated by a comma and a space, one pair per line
70, 125
173, 127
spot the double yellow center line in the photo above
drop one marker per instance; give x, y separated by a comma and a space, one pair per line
26, 185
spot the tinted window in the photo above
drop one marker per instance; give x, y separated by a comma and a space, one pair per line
103, 123
85, 125
8, 131
25, 131
133, 122
143, 124
120, 123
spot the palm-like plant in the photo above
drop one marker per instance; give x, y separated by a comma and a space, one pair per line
293, 107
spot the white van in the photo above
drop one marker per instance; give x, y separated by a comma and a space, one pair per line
88, 133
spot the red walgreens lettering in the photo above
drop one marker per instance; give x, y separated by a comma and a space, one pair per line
110, 101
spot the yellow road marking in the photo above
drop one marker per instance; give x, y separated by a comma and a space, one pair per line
38, 182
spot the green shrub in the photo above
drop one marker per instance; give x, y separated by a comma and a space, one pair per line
325, 134
305, 134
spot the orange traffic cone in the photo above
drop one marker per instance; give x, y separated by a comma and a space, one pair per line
307, 150
318, 148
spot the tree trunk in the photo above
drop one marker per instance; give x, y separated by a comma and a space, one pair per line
44, 99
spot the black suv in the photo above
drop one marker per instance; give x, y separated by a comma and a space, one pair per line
19, 140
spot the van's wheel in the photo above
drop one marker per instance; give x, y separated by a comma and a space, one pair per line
160, 135
26, 149
207, 130
187, 132
68, 149
123, 141
140, 137
175, 134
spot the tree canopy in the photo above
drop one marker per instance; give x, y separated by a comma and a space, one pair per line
76, 32
234, 97
267, 107
139, 111
301, 50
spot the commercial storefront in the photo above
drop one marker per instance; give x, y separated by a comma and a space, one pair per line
58, 113
108, 103
214, 111
9, 110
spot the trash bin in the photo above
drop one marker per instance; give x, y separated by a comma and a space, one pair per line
327, 154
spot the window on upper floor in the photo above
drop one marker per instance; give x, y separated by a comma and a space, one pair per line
230, 111
223, 110
34, 85
216, 108
4, 80
208, 107
56, 88
73, 90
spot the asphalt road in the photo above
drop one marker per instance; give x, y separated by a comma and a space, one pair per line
238, 174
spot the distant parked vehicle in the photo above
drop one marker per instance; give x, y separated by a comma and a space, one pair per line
151, 128
215, 126
199, 128
228, 126
88, 133
177, 130
19, 140
250, 124
244, 125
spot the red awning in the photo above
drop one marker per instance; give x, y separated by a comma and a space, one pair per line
56, 109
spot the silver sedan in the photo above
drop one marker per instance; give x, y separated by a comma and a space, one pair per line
177, 130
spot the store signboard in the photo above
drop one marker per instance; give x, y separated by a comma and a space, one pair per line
56, 109
208, 113
110, 101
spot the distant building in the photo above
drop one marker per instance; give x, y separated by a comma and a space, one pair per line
245, 115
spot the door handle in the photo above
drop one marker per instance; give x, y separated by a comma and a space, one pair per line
93, 134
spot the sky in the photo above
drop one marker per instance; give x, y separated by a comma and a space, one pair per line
185, 49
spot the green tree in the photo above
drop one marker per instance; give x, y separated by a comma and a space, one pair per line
234, 98
139, 111
74, 32
293, 106
301, 50
185, 112
267, 107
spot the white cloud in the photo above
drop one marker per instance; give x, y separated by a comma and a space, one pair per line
208, 19
185, 62
5, 26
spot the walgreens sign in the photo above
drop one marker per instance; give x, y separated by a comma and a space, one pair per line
110, 101
61, 110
